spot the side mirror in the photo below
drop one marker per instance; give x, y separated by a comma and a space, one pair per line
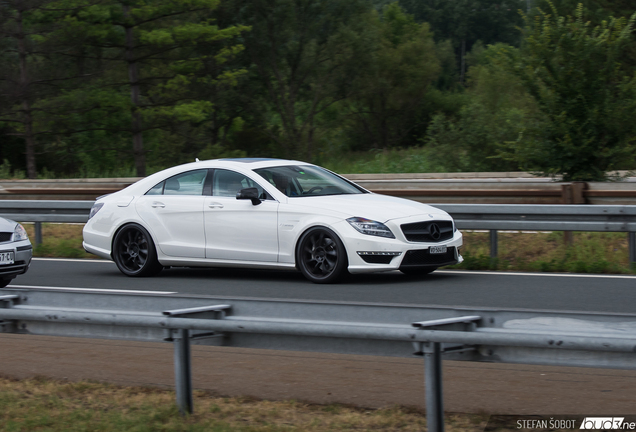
249, 194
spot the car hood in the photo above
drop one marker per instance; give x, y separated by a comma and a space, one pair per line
7, 225
381, 208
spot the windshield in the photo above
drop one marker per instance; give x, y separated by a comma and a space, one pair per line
307, 180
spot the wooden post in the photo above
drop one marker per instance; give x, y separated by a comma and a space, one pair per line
572, 193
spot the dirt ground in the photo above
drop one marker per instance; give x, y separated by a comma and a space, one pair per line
326, 378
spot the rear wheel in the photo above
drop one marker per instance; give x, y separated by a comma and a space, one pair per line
321, 256
134, 252
5, 281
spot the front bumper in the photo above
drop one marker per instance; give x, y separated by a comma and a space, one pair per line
23, 252
369, 254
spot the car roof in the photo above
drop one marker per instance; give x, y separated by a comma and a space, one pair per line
245, 163
238, 164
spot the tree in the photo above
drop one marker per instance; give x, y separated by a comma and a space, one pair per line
497, 109
152, 52
389, 90
31, 71
595, 10
577, 74
301, 52
464, 22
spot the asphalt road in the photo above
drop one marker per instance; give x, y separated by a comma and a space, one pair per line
609, 293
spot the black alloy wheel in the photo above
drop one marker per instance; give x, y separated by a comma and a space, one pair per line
321, 256
134, 252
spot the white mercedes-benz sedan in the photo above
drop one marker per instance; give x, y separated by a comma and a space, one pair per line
267, 213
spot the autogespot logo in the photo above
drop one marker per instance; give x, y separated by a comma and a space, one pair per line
607, 423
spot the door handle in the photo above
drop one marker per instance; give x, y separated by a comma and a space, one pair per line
158, 204
215, 205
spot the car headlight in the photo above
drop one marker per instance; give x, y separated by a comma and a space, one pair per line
96, 207
370, 227
19, 233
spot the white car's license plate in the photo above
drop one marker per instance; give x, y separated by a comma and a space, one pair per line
6, 258
437, 249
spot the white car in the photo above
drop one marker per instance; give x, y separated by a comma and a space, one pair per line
16, 251
267, 213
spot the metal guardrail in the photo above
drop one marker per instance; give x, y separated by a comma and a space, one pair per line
491, 217
46, 211
495, 217
473, 188
39, 211
458, 333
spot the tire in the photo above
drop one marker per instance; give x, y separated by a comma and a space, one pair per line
418, 271
134, 252
4, 282
320, 256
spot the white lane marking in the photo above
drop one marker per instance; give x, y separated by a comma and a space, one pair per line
74, 260
91, 289
571, 275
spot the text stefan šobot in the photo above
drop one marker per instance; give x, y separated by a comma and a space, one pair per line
545, 424
589, 423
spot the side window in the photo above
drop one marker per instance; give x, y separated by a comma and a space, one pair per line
189, 183
228, 183
157, 190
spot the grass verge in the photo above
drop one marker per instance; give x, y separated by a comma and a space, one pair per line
51, 405
518, 251
589, 252
58, 241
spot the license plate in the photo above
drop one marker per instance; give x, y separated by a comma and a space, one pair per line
437, 249
6, 258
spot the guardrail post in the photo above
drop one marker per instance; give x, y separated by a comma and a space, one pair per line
433, 385
494, 245
182, 371
631, 236
38, 233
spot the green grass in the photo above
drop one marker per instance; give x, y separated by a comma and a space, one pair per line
398, 160
548, 252
411, 160
42, 404
58, 241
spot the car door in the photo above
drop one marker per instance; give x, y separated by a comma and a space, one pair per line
237, 229
173, 210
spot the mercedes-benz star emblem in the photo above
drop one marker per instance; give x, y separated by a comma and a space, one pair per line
434, 231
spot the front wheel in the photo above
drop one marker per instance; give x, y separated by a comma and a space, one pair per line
321, 257
134, 252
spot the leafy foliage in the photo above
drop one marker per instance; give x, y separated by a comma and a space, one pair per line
577, 75
497, 109
114, 87
400, 66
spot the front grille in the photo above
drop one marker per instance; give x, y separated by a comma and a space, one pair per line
431, 231
422, 257
5, 236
